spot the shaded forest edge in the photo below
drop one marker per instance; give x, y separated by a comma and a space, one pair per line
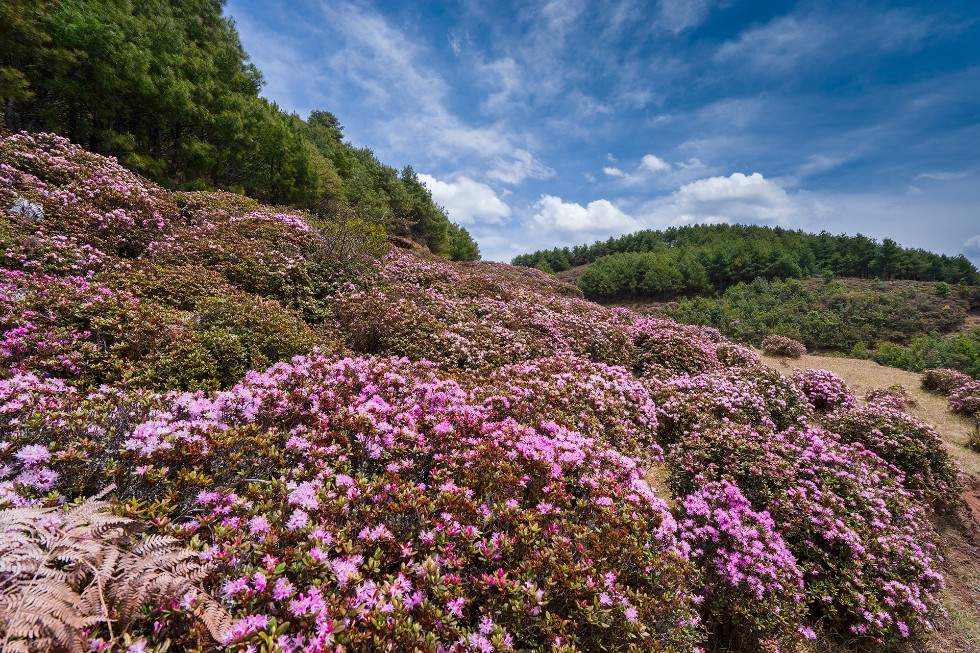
167, 88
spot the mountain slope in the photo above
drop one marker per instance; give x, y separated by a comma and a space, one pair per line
381, 450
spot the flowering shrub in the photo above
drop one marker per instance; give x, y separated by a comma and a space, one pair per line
599, 401
894, 396
782, 346
663, 347
462, 317
862, 542
760, 396
908, 444
944, 381
824, 390
481, 490
734, 355
388, 499
966, 399
753, 587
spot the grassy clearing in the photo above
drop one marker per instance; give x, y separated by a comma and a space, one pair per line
959, 630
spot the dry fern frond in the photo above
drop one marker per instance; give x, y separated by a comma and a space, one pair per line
62, 571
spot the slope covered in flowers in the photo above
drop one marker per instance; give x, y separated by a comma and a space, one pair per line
416, 454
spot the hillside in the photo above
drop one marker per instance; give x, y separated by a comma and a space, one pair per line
167, 89
362, 447
700, 259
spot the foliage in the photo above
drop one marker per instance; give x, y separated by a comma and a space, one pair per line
894, 396
753, 586
782, 346
966, 399
67, 574
911, 446
835, 315
943, 381
959, 350
756, 396
824, 390
387, 486
469, 317
842, 514
700, 258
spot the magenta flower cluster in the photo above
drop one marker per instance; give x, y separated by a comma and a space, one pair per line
824, 390
430, 456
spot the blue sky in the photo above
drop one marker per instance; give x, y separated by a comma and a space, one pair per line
543, 123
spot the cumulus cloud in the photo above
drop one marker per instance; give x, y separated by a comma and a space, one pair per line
520, 165
598, 217
654, 164
649, 164
467, 201
736, 198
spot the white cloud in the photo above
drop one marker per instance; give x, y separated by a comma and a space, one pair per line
649, 164
654, 164
790, 41
467, 201
598, 217
521, 165
736, 198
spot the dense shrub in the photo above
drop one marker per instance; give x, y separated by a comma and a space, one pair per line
966, 399
467, 318
753, 596
894, 396
943, 381
485, 492
899, 323
599, 401
862, 542
759, 396
385, 500
824, 390
782, 346
959, 350
661, 344
908, 444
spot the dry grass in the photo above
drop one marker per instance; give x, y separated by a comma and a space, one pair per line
863, 375
959, 630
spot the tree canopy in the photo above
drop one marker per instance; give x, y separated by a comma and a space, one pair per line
168, 89
702, 258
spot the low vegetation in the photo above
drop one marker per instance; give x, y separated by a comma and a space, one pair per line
366, 447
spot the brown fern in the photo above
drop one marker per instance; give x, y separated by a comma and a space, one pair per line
62, 571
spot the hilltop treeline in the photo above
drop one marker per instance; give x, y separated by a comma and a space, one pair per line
166, 87
705, 258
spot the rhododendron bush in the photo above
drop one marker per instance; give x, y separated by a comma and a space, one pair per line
420, 455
